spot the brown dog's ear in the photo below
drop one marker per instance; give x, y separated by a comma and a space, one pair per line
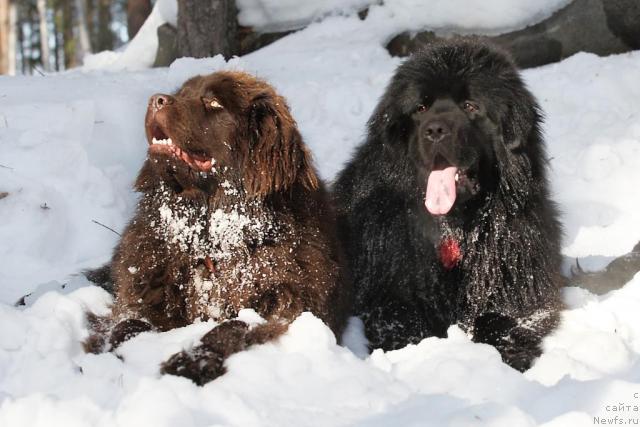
277, 158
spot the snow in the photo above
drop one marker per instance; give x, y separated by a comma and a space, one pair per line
218, 234
284, 15
232, 229
140, 52
593, 129
306, 379
394, 16
71, 147
446, 17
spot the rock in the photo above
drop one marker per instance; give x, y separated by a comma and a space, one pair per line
249, 40
167, 45
615, 275
623, 19
602, 27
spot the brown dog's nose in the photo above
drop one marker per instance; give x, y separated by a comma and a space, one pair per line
159, 100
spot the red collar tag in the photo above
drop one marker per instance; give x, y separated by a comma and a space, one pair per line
449, 253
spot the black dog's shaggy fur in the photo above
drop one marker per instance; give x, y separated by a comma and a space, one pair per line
489, 261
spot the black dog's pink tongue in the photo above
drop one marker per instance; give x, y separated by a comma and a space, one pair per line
441, 190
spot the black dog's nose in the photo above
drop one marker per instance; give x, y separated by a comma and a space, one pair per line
436, 130
159, 100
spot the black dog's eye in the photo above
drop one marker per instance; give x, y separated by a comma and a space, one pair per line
470, 107
211, 104
421, 108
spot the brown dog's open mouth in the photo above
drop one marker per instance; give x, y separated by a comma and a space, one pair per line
166, 146
161, 144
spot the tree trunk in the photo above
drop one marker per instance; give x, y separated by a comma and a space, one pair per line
68, 40
13, 29
137, 13
207, 28
21, 44
34, 55
8, 30
57, 25
83, 32
44, 35
104, 40
89, 9
4, 36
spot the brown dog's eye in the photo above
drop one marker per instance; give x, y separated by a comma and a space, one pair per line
470, 107
421, 108
212, 104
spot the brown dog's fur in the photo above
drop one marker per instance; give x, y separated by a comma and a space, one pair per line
252, 229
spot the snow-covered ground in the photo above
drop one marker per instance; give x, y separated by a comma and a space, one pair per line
71, 145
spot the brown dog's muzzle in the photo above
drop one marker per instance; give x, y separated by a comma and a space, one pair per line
160, 139
158, 101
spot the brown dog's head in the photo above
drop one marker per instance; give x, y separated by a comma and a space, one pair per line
225, 126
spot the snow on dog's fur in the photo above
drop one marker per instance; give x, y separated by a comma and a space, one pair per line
232, 216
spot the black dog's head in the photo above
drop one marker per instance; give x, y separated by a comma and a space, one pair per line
460, 111
226, 126
453, 149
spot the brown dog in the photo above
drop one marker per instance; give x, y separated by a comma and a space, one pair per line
232, 216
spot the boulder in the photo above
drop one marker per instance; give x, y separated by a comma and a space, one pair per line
602, 27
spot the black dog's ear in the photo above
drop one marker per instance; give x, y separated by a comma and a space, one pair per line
520, 123
276, 158
515, 127
384, 119
392, 120
517, 139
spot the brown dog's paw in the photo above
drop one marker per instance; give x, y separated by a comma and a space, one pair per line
99, 327
205, 362
227, 338
126, 330
201, 364
95, 344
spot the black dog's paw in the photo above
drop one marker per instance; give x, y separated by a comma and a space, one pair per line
205, 362
493, 328
519, 346
518, 360
522, 348
126, 330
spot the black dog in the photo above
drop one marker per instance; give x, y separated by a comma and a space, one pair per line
444, 210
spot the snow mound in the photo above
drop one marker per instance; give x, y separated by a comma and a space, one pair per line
592, 129
446, 17
140, 52
394, 16
285, 15
305, 379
